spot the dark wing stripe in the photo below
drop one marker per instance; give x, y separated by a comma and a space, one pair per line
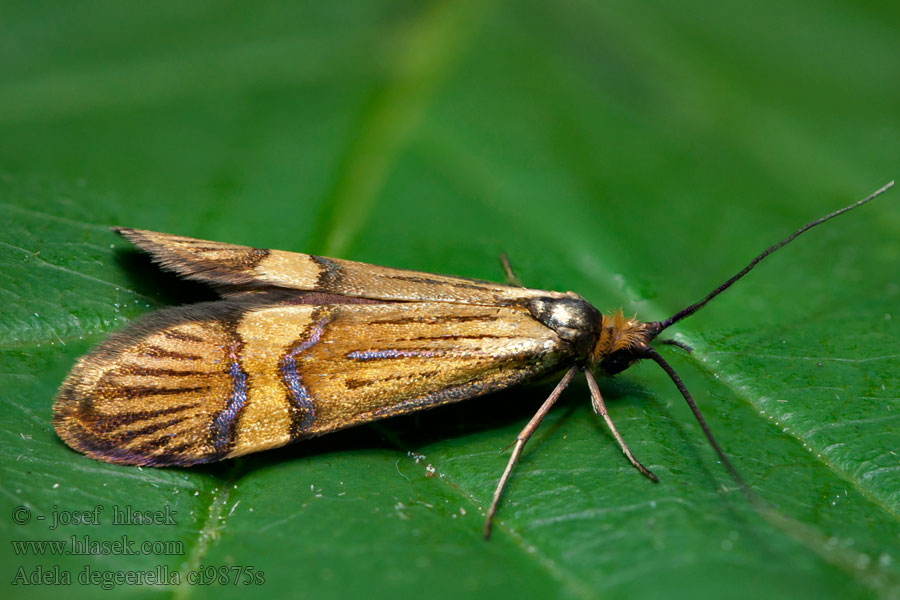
224, 426
330, 273
202, 248
182, 336
130, 434
482, 336
146, 448
140, 392
139, 371
116, 421
302, 407
157, 352
175, 455
434, 320
438, 282
320, 298
352, 383
448, 394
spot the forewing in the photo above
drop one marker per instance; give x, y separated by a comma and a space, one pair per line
221, 379
237, 269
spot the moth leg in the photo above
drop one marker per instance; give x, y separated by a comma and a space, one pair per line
511, 277
600, 409
681, 345
520, 442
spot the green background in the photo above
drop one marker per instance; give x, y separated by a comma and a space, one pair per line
637, 153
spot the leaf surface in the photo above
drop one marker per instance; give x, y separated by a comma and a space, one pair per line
637, 154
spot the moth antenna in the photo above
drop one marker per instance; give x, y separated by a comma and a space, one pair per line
677, 344
658, 359
658, 326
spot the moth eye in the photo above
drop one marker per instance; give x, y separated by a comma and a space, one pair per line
616, 362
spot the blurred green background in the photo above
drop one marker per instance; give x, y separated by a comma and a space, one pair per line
637, 153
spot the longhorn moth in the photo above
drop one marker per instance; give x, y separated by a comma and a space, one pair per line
301, 345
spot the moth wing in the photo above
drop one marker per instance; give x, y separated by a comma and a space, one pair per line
237, 269
358, 363
221, 379
155, 393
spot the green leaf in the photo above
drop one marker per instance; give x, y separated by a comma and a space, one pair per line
638, 154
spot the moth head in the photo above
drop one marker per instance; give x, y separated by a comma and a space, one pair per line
622, 342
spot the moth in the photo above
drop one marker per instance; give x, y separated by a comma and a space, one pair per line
301, 345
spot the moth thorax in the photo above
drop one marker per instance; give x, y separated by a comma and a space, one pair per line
572, 317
